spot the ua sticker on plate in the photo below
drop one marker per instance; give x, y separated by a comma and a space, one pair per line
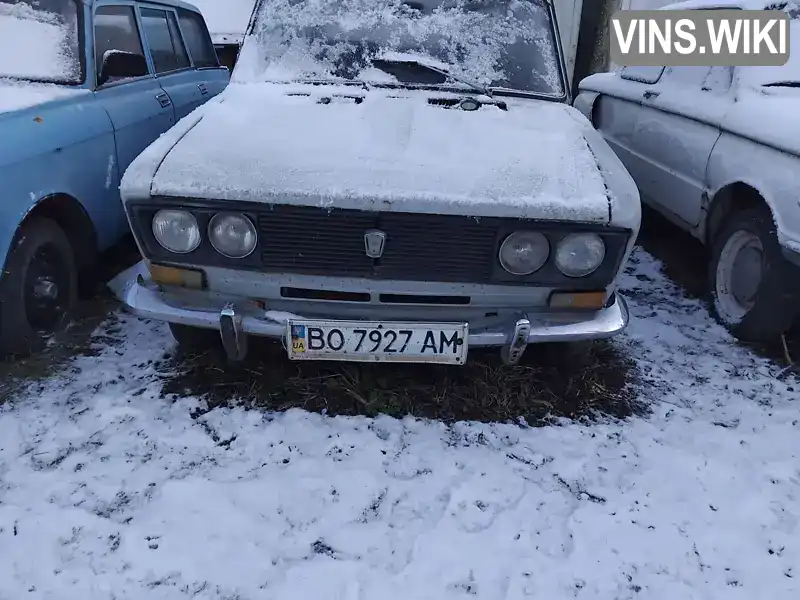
298, 338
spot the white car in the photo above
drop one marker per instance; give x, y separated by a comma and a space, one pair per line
386, 181
717, 151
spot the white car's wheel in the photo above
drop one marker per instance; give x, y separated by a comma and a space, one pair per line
739, 274
754, 288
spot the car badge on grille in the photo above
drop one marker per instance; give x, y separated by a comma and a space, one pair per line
374, 241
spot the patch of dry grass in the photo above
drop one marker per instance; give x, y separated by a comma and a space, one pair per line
558, 380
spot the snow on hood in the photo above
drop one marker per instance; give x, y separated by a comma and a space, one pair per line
18, 95
38, 44
385, 153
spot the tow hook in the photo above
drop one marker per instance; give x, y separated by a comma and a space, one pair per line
234, 338
519, 341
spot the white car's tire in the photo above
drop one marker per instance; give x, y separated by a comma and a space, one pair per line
753, 287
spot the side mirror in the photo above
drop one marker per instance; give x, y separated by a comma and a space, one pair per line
119, 64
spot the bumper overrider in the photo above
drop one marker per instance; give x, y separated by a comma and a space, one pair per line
144, 298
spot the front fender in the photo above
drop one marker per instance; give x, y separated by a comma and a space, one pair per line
769, 171
138, 177
624, 203
584, 102
62, 148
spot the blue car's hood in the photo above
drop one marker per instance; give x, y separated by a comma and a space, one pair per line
20, 95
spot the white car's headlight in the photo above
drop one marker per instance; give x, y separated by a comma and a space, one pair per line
176, 230
580, 254
233, 235
524, 252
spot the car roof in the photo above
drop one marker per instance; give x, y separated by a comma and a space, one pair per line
174, 3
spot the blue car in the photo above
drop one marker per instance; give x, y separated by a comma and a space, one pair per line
85, 87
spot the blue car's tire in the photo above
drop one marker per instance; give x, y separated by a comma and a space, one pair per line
38, 288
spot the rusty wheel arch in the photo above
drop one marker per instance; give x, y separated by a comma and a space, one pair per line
732, 198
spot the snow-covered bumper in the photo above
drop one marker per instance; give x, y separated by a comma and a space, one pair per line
236, 320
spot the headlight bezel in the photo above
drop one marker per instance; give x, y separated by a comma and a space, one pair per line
510, 238
615, 239
183, 213
575, 274
224, 214
141, 213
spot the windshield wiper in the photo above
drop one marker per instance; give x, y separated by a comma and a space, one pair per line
392, 65
783, 84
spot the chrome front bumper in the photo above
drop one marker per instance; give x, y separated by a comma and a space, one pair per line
143, 298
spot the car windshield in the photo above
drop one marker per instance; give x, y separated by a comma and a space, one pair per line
39, 40
787, 75
499, 44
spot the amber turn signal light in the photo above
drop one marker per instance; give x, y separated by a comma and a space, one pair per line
581, 300
187, 278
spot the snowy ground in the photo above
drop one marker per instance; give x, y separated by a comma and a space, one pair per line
108, 490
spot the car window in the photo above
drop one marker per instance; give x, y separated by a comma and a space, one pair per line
197, 39
39, 41
642, 74
177, 41
164, 40
115, 29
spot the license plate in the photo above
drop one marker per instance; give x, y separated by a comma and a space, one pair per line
369, 341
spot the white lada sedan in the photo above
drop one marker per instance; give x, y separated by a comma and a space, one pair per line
386, 181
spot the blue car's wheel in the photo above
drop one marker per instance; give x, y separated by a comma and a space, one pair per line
38, 289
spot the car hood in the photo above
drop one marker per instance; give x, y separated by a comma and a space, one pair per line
390, 150
18, 95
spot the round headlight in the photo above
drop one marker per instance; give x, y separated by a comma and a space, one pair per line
176, 230
524, 252
580, 254
232, 235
